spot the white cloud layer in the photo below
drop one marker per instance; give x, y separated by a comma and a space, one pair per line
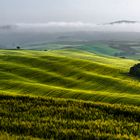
73, 26
59, 24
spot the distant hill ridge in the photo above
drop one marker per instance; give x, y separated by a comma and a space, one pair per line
123, 21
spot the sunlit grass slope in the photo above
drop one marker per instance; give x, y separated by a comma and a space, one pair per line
68, 74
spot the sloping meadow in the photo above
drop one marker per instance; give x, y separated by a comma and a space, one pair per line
100, 100
68, 74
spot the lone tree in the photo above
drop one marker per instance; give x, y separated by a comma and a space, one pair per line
135, 70
18, 47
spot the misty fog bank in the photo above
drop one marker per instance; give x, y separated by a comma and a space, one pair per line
25, 34
70, 26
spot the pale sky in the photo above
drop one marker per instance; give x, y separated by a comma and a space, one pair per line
89, 11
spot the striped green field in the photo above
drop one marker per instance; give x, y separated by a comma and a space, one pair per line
68, 74
100, 99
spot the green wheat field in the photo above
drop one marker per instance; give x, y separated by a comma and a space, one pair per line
67, 94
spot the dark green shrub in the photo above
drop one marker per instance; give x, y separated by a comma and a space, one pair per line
135, 70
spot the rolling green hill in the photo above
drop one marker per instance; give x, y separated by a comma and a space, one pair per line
30, 81
68, 74
126, 49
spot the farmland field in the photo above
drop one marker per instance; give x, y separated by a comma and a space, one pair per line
99, 98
